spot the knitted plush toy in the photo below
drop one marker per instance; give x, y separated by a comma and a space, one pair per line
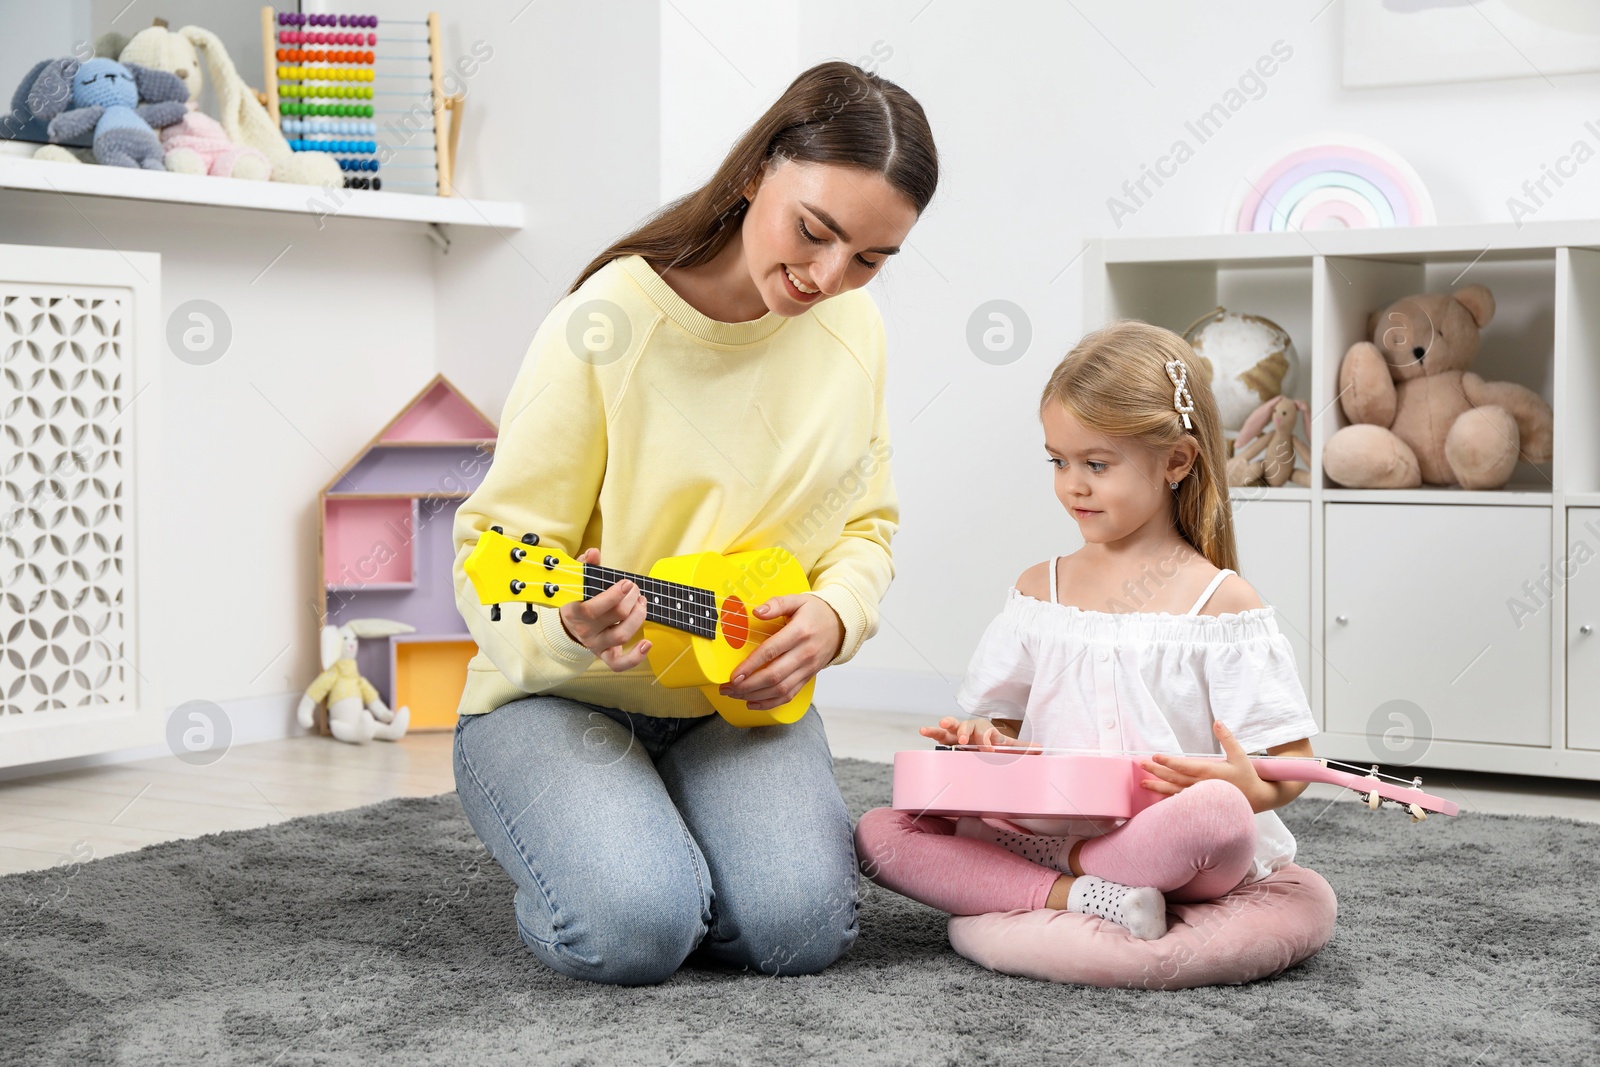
355, 711
197, 143
103, 95
21, 116
247, 122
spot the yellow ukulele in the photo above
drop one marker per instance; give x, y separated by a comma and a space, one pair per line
697, 608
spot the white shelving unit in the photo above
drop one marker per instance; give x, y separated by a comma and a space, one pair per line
125, 183
1434, 627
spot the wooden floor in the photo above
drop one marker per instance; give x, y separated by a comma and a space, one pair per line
72, 816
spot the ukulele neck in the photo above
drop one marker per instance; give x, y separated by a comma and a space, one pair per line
682, 607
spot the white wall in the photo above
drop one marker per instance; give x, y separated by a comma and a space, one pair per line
564, 119
1041, 112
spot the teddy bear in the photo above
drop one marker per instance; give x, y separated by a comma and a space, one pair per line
197, 143
103, 95
1418, 415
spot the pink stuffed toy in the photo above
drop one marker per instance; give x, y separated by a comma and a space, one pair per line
199, 145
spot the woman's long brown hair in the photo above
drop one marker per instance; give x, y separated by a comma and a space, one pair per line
833, 113
1114, 382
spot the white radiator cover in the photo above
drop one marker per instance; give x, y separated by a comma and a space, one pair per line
79, 340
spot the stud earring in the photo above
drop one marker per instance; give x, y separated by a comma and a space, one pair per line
1173, 484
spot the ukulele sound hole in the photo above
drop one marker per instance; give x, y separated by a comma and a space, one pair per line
735, 623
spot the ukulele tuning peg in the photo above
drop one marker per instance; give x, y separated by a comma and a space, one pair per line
1417, 814
518, 555
494, 612
517, 587
1373, 800
498, 529
528, 615
530, 538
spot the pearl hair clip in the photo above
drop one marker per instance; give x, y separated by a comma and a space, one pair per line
1182, 399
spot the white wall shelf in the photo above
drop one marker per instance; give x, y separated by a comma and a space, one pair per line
1436, 626
126, 183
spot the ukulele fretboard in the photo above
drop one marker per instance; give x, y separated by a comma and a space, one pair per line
683, 607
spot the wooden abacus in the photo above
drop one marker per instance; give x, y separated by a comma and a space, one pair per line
322, 73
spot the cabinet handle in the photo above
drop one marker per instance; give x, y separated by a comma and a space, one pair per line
1585, 629
1341, 619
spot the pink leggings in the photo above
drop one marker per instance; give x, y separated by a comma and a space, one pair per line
1194, 846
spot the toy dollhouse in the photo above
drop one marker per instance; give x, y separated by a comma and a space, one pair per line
386, 551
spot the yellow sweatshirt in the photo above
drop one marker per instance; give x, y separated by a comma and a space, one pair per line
341, 682
685, 435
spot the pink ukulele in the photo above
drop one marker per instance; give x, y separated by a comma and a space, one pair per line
953, 780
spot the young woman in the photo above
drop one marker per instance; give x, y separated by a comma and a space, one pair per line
713, 381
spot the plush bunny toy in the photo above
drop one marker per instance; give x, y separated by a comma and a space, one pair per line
104, 96
355, 711
1267, 448
197, 143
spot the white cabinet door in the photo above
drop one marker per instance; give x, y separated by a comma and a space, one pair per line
1419, 609
1274, 538
1582, 573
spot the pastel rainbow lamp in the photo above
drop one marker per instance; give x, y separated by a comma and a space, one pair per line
1331, 182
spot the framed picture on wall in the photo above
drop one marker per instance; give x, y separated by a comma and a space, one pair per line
1417, 42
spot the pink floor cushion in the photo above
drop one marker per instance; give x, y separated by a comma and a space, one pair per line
1259, 929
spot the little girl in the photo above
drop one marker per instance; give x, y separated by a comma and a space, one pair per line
1094, 651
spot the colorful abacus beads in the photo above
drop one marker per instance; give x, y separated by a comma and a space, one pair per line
334, 74
301, 37
318, 55
294, 18
302, 145
328, 92
325, 60
354, 110
329, 126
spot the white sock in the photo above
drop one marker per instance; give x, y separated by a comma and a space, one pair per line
1142, 910
1047, 850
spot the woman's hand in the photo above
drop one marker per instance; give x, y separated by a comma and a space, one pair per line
605, 623
810, 639
979, 731
1176, 773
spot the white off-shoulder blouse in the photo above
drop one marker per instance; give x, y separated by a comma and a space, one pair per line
1141, 682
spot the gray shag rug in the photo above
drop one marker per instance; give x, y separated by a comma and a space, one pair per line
385, 934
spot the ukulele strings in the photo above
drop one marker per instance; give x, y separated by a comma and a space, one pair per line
1351, 768
674, 603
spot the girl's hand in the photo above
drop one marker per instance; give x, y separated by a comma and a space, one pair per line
605, 623
980, 731
1176, 773
810, 639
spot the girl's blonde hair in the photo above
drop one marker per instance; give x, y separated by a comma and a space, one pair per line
1114, 382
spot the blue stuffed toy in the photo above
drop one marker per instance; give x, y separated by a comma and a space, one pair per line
104, 96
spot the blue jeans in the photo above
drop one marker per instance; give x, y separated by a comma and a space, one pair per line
636, 841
